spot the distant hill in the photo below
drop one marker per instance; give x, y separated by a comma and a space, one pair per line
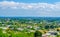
33, 18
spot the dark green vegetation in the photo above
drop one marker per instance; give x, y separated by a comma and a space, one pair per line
28, 26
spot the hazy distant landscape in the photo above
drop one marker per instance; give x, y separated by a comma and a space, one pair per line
29, 18
27, 26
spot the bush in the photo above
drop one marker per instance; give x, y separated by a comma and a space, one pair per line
38, 34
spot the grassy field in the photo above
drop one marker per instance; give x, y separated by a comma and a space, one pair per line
11, 33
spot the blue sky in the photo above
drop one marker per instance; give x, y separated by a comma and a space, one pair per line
33, 1
30, 8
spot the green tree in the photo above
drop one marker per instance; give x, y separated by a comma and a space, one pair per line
38, 34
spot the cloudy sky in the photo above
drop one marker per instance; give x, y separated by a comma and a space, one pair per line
30, 8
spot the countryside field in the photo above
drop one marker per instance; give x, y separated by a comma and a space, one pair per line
29, 27
29, 18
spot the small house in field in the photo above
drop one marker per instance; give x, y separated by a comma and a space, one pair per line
20, 29
29, 26
4, 28
50, 34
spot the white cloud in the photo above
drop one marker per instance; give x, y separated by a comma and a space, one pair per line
17, 5
40, 8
